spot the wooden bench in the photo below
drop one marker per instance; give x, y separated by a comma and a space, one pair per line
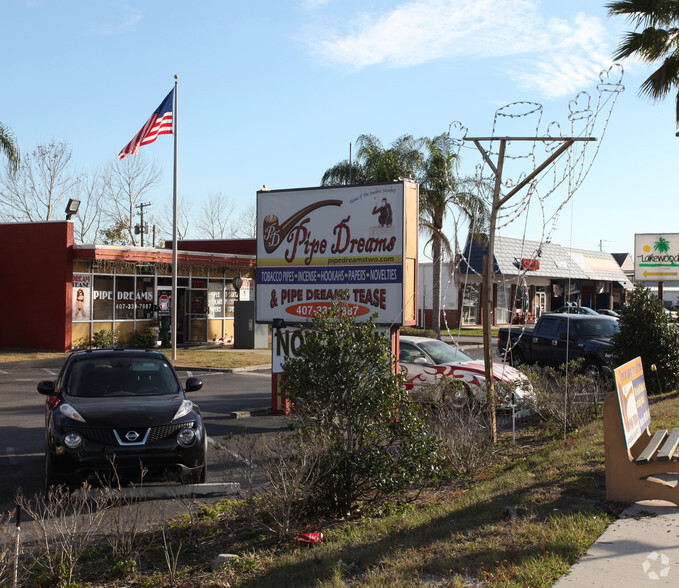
648, 470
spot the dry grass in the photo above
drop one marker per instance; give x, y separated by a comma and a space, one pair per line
455, 533
218, 358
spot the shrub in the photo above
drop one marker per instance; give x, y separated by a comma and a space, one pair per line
565, 397
344, 391
418, 332
105, 339
461, 425
646, 332
146, 337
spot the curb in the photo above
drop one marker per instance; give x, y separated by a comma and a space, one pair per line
247, 368
180, 491
242, 414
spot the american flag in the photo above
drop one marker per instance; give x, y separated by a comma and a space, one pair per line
160, 123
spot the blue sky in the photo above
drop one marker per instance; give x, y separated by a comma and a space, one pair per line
273, 92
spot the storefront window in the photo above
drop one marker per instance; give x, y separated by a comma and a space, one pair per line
144, 298
215, 298
231, 297
470, 305
125, 298
102, 299
504, 310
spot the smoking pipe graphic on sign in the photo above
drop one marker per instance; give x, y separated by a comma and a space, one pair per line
275, 233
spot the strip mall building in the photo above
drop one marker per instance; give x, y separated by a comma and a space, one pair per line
529, 278
57, 294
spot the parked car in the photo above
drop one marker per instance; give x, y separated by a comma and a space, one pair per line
558, 338
114, 412
608, 312
670, 314
572, 309
426, 361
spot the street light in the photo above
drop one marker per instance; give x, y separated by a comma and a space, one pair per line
72, 208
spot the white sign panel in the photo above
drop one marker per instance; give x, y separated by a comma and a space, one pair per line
656, 257
313, 243
286, 342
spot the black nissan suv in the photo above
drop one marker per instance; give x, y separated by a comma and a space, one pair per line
122, 414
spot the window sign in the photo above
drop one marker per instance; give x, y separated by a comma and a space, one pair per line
125, 297
215, 298
144, 298
231, 297
102, 298
82, 293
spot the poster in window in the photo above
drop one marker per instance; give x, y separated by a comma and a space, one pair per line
82, 288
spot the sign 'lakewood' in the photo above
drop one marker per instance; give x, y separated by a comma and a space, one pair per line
314, 242
656, 257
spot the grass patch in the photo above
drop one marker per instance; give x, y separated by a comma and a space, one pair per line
191, 357
473, 331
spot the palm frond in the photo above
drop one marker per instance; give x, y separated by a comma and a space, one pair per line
645, 13
9, 147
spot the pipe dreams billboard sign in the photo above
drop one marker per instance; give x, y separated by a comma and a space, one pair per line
314, 243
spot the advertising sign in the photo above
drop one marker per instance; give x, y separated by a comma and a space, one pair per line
314, 243
656, 257
82, 287
632, 400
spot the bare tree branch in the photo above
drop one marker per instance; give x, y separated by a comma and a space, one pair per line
126, 183
39, 189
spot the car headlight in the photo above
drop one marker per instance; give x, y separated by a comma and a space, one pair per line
186, 437
73, 440
185, 408
68, 411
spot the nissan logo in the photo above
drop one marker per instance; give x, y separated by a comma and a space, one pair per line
132, 435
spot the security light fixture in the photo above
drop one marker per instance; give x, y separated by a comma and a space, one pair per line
72, 208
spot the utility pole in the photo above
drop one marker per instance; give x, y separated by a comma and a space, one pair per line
489, 259
142, 228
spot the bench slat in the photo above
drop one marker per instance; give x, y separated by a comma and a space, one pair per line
669, 447
647, 454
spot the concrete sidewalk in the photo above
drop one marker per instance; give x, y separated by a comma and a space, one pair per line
641, 548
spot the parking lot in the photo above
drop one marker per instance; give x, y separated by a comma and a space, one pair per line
22, 419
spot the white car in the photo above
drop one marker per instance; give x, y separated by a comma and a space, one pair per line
426, 361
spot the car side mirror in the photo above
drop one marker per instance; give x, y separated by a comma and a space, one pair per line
47, 387
421, 360
193, 384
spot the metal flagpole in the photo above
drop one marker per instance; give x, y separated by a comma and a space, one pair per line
174, 304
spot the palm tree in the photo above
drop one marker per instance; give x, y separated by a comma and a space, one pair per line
375, 164
657, 42
439, 193
432, 163
9, 146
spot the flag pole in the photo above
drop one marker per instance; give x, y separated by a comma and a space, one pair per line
175, 302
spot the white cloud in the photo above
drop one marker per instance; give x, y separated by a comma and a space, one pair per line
556, 56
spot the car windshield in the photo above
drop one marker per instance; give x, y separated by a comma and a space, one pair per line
120, 376
441, 352
603, 327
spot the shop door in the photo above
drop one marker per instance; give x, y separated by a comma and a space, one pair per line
164, 303
196, 316
540, 302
